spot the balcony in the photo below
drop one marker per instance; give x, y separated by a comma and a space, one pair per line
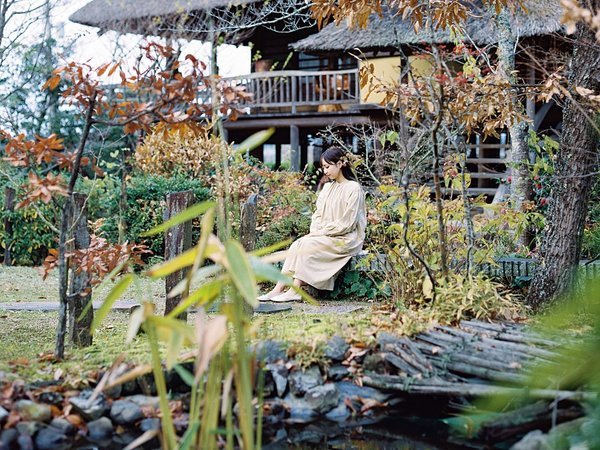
294, 91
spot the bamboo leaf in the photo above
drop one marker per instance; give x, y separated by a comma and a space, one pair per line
200, 296
241, 273
267, 272
201, 275
254, 141
110, 300
173, 348
272, 248
184, 216
184, 374
167, 325
136, 319
186, 259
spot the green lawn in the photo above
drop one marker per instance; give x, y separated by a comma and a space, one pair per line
28, 337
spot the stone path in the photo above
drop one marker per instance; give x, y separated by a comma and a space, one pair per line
126, 306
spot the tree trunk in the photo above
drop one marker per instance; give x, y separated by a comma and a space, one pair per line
177, 240
80, 296
577, 158
521, 189
9, 207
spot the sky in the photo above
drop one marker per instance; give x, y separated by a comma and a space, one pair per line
89, 47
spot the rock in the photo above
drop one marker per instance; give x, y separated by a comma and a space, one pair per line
270, 351
309, 436
150, 424
174, 381
125, 412
384, 338
8, 437
336, 348
64, 426
114, 392
51, 398
322, 398
100, 429
337, 372
28, 428
130, 388
3, 414
280, 377
534, 440
146, 384
31, 411
302, 380
299, 410
350, 390
87, 408
338, 414
25, 442
51, 438
144, 400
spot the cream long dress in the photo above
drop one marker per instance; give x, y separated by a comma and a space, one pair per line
337, 232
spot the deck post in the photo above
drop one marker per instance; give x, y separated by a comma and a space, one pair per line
295, 148
178, 239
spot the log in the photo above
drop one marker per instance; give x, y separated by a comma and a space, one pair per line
80, 292
400, 364
474, 390
481, 372
248, 223
9, 207
423, 368
178, 239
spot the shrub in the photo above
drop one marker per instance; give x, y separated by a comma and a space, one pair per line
285, 207
145, 207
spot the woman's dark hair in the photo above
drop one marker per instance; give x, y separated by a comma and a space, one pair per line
335, 154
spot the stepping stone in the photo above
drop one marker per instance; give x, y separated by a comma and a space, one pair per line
126, 306
270, 308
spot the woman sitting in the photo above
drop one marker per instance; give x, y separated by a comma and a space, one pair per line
337, 232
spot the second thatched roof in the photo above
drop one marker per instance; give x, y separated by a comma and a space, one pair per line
180, 18
390, 31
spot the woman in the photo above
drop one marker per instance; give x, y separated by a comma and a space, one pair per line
337, 231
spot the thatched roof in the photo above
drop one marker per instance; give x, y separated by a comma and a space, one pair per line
180, 18
390, 31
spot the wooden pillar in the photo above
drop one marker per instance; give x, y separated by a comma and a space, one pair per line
177, 240
295, 148
248, 223
9, 207
80, 291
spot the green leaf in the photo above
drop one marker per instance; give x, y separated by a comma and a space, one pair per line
200, 296
110, 300
201, 275
271, 248
241, 273
185, 375
186, 259
254, 141
267, 272
184, 216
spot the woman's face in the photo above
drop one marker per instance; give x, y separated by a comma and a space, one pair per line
331, 170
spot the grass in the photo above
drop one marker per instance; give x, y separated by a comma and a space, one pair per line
28, 337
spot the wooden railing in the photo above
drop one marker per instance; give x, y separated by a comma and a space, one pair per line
486, 167
295, 88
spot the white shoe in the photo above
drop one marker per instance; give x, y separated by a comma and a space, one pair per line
286, 297
267, 297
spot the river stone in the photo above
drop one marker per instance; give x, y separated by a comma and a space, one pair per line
100, 429
31, 411
338, 414
64, 426
144, 401
299, 410
534, 440
280, 377
125, 412
303, 380
322, 398
270, 351
147, 384
336, 348
8, 437
151, 423
337, 372
3, 414
89, 410
28, 428
351, 390
25, 442
51, 438
51, 398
